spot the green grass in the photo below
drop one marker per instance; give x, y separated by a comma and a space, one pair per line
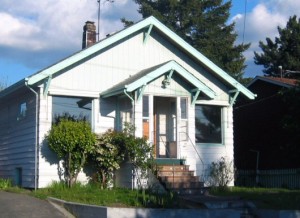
264, 198
5, 183
91, 194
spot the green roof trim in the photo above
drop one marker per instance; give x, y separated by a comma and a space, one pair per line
146, 76
146, 23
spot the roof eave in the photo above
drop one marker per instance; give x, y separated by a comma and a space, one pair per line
128, 31
12, 88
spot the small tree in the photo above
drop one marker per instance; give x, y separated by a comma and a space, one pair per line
71, 141
138, 152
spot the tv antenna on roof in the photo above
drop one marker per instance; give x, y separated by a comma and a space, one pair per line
245, 16
99, 10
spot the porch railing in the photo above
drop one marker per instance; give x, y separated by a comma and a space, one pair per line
169, 155
190, 142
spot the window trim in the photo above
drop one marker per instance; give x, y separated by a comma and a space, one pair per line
186, 108
22, 113
222, 143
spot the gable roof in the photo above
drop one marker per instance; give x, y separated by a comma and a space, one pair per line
149, 23
284, 82
146, 76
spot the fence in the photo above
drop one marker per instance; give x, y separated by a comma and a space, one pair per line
286, 178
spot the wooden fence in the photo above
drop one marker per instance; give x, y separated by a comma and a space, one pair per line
286, 178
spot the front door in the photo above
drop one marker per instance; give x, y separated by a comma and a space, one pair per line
165, 132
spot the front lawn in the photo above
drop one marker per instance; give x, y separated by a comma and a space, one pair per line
264, 198
117, 197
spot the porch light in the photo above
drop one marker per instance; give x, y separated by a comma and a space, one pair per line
166, 82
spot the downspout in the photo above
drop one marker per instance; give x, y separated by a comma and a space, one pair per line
132, 100
36, 133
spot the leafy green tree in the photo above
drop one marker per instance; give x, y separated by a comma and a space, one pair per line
284, 51
72, 141
203, 24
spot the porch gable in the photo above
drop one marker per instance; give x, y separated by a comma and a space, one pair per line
143, 78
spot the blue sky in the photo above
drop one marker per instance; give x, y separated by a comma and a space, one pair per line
36, 34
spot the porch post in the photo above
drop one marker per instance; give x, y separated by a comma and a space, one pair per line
138, 117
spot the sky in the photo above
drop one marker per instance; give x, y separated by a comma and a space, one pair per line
37, 34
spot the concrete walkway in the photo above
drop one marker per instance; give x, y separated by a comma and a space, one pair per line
21, 205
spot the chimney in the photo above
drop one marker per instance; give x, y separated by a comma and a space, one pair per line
89, 34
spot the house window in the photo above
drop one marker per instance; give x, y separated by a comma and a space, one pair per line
22, 111
125, 112
208, 124
146, 106
183, 107
78, 108
146, 116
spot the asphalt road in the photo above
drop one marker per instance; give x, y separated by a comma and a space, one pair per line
21, 205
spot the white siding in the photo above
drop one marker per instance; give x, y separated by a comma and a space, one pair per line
131, 56
208, 153
50, 168
123, 60
89, 79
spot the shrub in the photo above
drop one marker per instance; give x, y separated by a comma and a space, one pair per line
221, 173
71, 141
112, 148
5, 183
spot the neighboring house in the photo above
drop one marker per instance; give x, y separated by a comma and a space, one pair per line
260, 139
144, 74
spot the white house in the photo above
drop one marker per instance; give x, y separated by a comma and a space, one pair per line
144, 74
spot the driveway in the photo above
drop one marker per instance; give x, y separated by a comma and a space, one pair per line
21, 205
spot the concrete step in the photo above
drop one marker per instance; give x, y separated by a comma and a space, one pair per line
189, 191
184, 185
175, 173
173, 167
180, 179
168, 161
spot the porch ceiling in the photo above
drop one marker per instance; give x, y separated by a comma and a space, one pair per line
146, 76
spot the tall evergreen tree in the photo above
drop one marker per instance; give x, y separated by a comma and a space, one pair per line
202, 23
284, 51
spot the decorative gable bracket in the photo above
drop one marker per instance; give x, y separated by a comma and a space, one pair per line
147, 34
140, 92
232, 99
195, 96
47, 82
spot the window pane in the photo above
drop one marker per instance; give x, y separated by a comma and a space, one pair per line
145, 106
208, 124
183, 107
78, 107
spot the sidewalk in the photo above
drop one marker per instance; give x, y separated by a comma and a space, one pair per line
21, 205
